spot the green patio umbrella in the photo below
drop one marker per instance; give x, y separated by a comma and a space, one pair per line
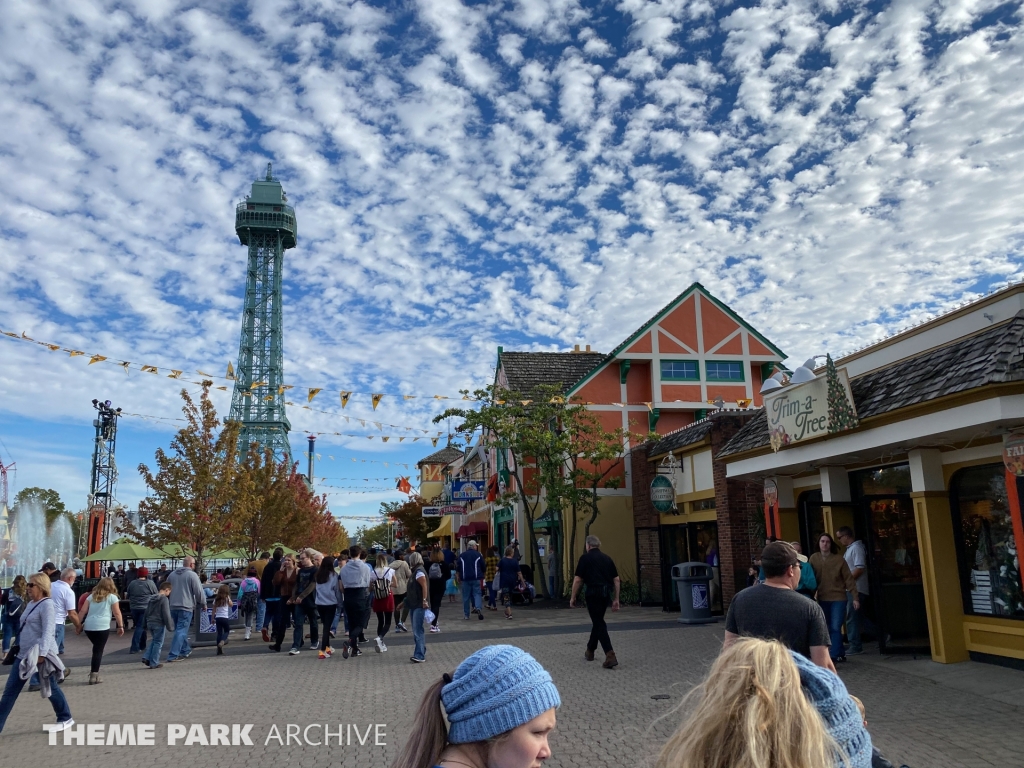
229, 554
125, 549
287, 550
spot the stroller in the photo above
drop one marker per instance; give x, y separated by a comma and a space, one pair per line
520, 595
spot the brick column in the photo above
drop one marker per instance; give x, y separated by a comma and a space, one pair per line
645, 516
736, 504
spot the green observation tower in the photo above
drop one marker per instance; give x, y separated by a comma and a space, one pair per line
266, 223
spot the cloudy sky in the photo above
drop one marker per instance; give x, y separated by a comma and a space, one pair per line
525, 173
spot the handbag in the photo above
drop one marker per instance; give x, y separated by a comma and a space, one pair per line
496, 584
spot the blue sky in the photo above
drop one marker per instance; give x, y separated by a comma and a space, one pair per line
530, 173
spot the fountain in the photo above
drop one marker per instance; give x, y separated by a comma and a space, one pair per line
32, 545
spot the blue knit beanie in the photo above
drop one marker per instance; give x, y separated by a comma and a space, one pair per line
842, 718
498, 688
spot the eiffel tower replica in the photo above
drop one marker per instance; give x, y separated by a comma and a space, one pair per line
266, 224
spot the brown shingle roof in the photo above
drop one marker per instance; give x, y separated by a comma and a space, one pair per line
688, 435
525, 371
445, 456
995, 356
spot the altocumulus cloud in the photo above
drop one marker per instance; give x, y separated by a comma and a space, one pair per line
531, 173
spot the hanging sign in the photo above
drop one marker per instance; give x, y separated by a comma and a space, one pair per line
469, 490
452, 510
663, 494
431, 511
823, 406
1013, 453
772, 521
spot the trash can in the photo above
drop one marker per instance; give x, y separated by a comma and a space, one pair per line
693, 585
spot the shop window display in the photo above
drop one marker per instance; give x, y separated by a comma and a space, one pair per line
989, 559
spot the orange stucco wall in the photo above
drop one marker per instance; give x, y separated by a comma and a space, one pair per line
688, 393
643, 344
638, 383
603, 387
715, 324
729, 392
670, 421
682, 323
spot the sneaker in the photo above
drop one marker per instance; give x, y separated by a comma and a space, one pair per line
274, 648
155, 666
414, 660
144, 661
480, 615
220, 649
344, 652
357, 652
266, 636
63, 725
466, 617
248, 634
362, 639
400, 627
293, 652
321, 655
435, 629
383, 648
328, 652
380, 645
67, 672
315, 646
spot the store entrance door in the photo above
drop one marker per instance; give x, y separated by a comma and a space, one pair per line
690, 543
894, 572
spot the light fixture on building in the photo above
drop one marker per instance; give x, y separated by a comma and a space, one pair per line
805, 372
777, 381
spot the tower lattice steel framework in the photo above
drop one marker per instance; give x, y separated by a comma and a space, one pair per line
266, 223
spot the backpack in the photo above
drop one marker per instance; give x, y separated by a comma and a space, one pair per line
249, 599
435, 571
381, 588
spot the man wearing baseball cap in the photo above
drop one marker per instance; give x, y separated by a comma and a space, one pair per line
140, 590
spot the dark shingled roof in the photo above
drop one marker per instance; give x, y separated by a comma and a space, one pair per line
526, 371
995, 356
445, 456
688, 435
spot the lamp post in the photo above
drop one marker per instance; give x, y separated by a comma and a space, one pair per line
312, 443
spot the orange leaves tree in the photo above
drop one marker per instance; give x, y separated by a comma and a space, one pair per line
193, 491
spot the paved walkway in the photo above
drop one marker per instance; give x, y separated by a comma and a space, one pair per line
920, 713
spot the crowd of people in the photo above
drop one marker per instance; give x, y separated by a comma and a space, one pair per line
772, 698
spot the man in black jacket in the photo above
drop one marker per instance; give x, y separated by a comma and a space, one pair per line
598, 572
471, 574
271, 596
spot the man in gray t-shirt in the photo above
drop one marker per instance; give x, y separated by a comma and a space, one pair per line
775, 611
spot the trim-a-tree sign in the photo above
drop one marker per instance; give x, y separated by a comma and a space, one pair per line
799, 412
663, 494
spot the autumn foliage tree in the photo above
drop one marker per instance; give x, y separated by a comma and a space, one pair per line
193, 492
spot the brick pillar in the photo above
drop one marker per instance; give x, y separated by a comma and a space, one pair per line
645, 516
736, 504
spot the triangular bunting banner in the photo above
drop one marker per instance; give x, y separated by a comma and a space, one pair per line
231, 372
96, 359
312, 393
375, 399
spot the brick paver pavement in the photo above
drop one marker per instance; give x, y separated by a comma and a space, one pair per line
608, 718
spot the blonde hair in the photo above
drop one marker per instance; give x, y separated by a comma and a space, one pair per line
103, 588
382, 560
42, 581
19, 586
751, 713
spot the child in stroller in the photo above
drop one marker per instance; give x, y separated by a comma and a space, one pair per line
524, 595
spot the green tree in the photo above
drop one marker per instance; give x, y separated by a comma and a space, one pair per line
408, 515
192, 493
369, 535
47, 499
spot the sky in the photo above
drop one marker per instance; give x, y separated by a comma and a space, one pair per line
532, 174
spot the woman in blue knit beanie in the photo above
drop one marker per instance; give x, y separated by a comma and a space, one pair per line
763, 706
500, 707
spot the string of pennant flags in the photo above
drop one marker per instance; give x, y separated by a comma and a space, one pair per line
345, 395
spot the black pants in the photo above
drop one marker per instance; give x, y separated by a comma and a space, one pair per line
369, 610
599, 632
278, 610
327, 619
98, 638
399, 599
383, 622
223, 628
436, 593
355, 609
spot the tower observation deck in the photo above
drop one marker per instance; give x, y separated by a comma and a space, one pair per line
266, 224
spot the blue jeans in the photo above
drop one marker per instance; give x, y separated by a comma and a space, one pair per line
418, 634
156, 644
8, 633
179, 643
262, 621
139, 635
58, 635
223, 629
13, 688
853, 625
471, 597
492, 596
835, 613
337, 618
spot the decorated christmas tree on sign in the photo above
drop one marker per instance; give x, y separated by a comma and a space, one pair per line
841, 415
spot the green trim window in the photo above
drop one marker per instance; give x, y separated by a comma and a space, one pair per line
723, 371
680, 370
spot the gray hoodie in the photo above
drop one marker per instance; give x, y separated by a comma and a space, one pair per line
186, 590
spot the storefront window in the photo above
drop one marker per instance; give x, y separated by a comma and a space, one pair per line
989, 562
884, 481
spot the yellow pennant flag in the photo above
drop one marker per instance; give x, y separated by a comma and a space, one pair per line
401, 439
258, 384
313, 392
204, 373
74, 352
223, 389
174, 374
246, 393
231, 372
408, 397
385, 438
440, 397
466, 397
269, 397
369, 437
650, 406
415, 439
55, 347
149, 369
26, 337
96, 359
288, 402
376, 400
433, 441
344, 399
526, 402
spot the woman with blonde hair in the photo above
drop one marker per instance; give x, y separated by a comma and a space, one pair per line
500, 707
101, 605
14, 600
764, 706
38, 651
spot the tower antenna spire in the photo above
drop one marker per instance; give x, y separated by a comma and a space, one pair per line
266, 224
